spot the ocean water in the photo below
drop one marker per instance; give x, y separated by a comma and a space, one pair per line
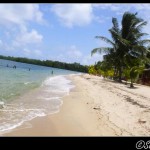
26, 94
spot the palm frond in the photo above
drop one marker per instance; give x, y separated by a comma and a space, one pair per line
125, 42
115, 24
114, 35
142, 42
139, 35
100, 50
141, 24
105, 39
140, 48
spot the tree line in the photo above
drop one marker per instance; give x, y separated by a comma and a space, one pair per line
49, 63
129, 51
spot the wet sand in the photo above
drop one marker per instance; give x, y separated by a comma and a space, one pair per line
95, 107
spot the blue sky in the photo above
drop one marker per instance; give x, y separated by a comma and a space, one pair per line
62, 32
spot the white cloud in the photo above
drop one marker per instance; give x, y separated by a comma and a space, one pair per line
102, 19
90, 60
119, 9
37, 52
29, 53
141, 6
73, 14
73, 52
26, 51
81, 14
1, 43
7, 34
20, 13
69, 54
15, 20
114, 7
22, 40
25, 37
4, 46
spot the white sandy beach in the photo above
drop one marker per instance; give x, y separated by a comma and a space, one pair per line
95, 107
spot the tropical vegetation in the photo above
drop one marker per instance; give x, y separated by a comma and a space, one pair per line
129, 51
49, 63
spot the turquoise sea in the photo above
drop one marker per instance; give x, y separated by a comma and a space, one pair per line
30, 91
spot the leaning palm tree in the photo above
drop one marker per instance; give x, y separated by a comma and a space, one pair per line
111, 56
126, 42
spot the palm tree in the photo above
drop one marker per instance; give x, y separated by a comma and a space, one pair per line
126, 42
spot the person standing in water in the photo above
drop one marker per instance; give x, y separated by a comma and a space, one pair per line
14, 66
52, 72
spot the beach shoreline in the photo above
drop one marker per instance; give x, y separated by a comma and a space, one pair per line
95, 107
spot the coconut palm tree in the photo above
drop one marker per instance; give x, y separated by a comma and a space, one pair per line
126, 42
111, 56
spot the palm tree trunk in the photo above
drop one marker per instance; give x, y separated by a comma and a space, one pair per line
131, 84
120, 73
115, 73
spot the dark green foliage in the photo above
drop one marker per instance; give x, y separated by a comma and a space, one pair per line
128, 46
49, 63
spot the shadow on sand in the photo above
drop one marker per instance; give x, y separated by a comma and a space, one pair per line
132, 87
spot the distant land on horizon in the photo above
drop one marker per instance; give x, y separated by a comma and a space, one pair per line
49, 63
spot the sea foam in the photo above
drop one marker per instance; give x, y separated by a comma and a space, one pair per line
47, 100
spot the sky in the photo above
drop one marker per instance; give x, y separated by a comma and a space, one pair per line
61, 32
